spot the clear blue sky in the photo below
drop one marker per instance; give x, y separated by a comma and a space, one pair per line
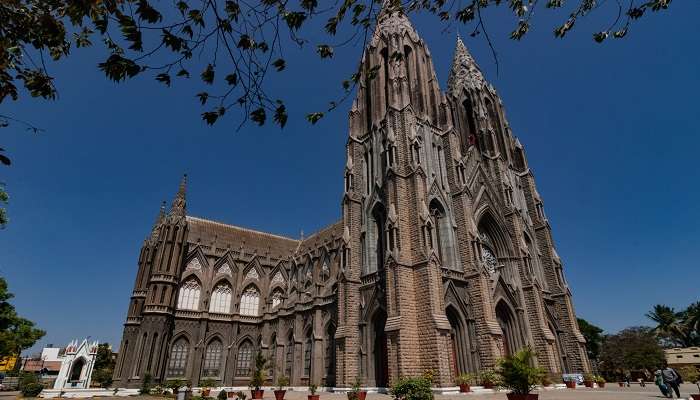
611, 132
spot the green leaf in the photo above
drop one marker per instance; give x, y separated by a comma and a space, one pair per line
332, 26
232, 9
165, 78
309, 5
279, 64
245, 42
314, 117
324, 50
171, 41
210, 117
281, 114
232, 79
196, 17
182, 6
258, 116
294, 19
208, 74
183, 72
600, 36
466, 14
147, 13
203, 96
118, 68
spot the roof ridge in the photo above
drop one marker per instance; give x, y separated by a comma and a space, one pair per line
242, 228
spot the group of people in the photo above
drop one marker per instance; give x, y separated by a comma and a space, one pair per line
668, 380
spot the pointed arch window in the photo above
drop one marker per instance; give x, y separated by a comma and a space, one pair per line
250, 301
487, 254
244, 359
308, 349
277, 297
177, 362
221, 300
212, 359
188, 298
289, 355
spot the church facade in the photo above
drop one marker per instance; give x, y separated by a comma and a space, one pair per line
443, 259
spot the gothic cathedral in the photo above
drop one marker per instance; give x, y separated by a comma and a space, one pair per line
443, 259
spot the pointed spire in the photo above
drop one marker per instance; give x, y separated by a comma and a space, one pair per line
465, 72
179, 203
159, 219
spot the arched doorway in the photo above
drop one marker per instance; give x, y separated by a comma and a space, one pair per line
76, 370
461, 350
509, 326
379, 349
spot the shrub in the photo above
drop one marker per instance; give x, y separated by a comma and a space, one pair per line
488, 376
517, 373
312, 388
282, 381
412, 389
588, 377
599, 379
222, 395
175, 384
146, 384
207, 383
465, 379
32, 389
27, 378
260, 371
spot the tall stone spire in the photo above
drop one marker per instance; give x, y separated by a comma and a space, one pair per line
465, 72
179, 202
159, 219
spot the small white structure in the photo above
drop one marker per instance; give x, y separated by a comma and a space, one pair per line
76, 365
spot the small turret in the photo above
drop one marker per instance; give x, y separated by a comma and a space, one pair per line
179, 203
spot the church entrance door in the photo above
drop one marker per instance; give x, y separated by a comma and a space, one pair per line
381, 363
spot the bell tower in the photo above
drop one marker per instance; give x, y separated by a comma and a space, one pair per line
397, 215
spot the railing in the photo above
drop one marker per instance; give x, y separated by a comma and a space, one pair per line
187, 313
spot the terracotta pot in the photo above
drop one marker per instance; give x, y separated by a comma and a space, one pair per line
279, 394
257, 394
488, 385
313, 396
464, 388
230, 394
205, 392
361, 395
601, 384
531, 396
570, 384
622, 384
695, 396
588, 384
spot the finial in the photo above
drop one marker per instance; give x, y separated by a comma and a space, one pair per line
180, 203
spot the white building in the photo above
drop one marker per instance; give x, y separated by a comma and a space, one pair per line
77, 364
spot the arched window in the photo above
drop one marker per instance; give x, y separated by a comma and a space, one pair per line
443, 235
250, 301
188, 298
329, 356
245, 357
308, 347
221, 300
178, 358
488, 256
277, 296
212, 359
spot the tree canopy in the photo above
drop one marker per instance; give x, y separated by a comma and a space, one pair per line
16, 333
231, 45
676, 328
593, 336
631, 349
104, 365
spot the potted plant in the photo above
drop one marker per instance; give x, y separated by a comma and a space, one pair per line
570, 382
464, 381
223, 395
175, 385
600, 381
312, 390
355, 393
588, 380
519, 376
259, 376
282, 381
206, 385
488, 378
240, 395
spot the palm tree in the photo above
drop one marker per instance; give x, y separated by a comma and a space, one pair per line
667, 323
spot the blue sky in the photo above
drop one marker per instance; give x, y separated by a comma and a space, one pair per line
611, 132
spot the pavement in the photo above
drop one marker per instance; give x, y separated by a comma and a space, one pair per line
610, 392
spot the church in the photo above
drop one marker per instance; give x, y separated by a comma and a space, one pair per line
443, 258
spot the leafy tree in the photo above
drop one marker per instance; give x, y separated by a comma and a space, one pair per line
676, 328
634, 348
231, 45
593, 335
104, 365
16, 333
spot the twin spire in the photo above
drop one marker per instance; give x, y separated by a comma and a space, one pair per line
464, 72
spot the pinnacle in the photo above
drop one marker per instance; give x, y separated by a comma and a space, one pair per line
179, 203
465, 71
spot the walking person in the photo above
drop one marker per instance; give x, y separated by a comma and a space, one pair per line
672, 379
659, 381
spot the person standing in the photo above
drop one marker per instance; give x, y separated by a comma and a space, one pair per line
659, 380
671, 379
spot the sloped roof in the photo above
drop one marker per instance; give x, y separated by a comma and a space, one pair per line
333, 231
236, 236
